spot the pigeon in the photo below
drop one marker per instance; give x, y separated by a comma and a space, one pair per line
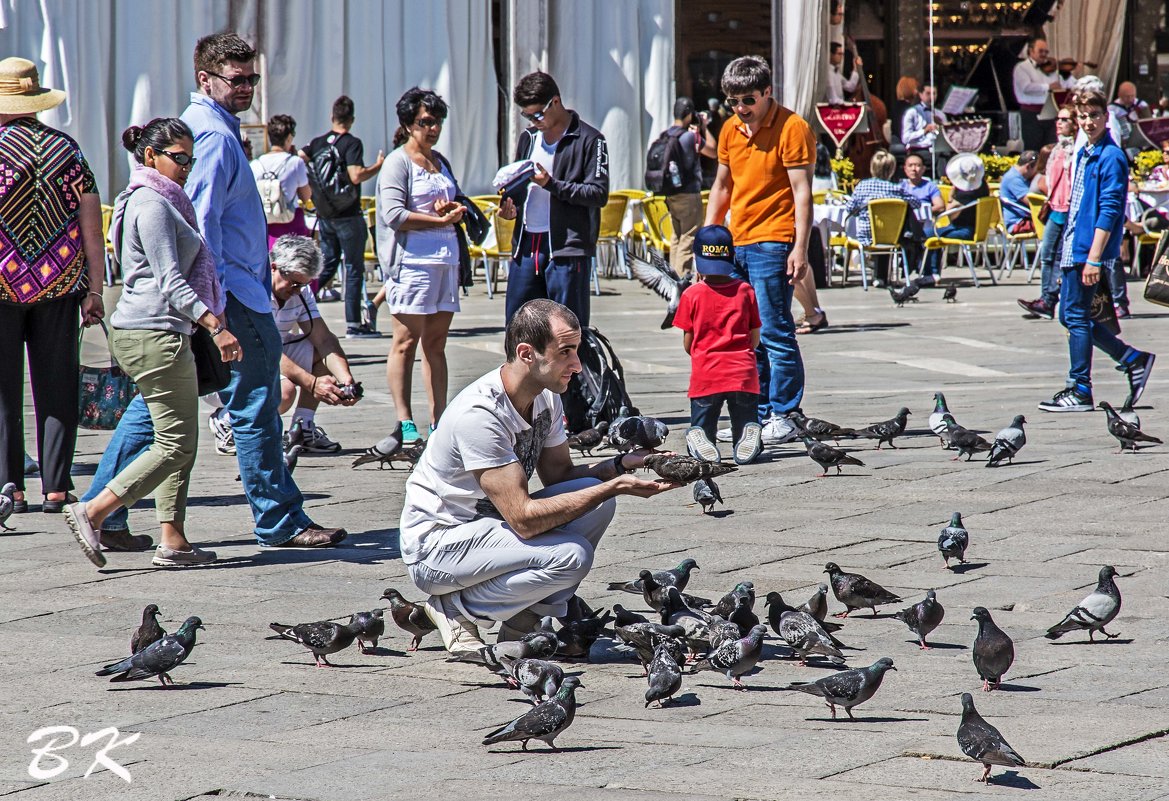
848, 688
951, 294
818, 602
735, 658
983, 743
826, 456
149, 632
802, 632
993, 650
887, 430
857, 592
817, 605
1008, 442
322, 637
659, 277
640, 432
158, 658
1094, 612
905, 294
677, 577
642, 639
729, 602
664, 673
623, 617
409, 617
685, 469
694, 622
537, 679
963, 440
501, 657
382, 451
923, 617
8, 505
723, 631
546, 721
590, 438
1127, 414
1126, 434
653, 593
937, 421
706, 494
409, 455
953, 541
370, 626
819, 429
743, 617
576, 637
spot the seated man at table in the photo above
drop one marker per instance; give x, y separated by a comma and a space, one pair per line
932, 204
1013, 191
472, 535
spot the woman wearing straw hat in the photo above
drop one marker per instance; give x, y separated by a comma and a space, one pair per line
52, 262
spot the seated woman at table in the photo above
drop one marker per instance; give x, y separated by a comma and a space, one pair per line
880, 187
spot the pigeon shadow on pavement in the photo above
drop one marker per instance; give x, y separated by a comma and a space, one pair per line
853, 328
1116, 641
686, 699
721, 513
968, 566
844, 718
942, 646
1012, 778
573, 749
1016, 688
180, 685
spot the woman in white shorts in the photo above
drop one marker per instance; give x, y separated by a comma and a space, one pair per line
419, 253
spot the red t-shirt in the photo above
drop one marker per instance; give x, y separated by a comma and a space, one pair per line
721, 318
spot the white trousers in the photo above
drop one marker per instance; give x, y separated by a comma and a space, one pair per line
493, 574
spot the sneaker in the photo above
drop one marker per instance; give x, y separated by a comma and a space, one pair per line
221, 427
724, 435
778, 430
165, 557
1037, 308
317, 441
459, 635
1137, 372
410, 434
328, 295
750, 444
1122, 312
361, 331
84, 533
700, 447
1068, 400
369, 315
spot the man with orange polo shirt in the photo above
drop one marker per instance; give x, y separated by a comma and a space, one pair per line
765, 158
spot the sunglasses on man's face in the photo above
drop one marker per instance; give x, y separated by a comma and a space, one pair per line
746, 100
239, 81
537, 116
178, 157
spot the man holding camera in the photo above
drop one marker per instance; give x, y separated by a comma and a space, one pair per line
685, 205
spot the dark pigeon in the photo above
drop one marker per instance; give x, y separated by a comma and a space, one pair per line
888, 430
953, 541
501, 657
923, 617
743, 617
983, 743
819, 429
149, 632
993, 650
1094, 612
7, 505
322, 637
678, 577
660, 277
964, 441
590, 438
382, 451
575, 638
664, 673
951, 294
642, 639
371, 627
545, 721
537, 679
707, 494
685, 469
905, 294
1125, 433
640, 432
623, 617
826, 456
802, 632
408, 616
857, 592
157, 659
696, 623
293, 446
729, 602
1008, 442
735, 658
848, 688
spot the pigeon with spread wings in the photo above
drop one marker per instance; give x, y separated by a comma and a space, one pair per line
658, 276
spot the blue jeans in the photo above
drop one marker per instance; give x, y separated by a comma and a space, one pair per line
1117, 282
345, 237
1075, 303
535, 274
741, 406
781, 370
253, 402
1050, 251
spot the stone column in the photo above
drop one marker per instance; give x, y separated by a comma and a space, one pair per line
525, 45
906, 37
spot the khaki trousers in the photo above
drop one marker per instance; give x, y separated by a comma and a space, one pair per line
685, 217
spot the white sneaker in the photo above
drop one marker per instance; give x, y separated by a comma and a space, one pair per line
460, 636
724, 435
700, 447
221, 427
778, 430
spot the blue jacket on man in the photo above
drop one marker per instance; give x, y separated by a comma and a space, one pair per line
1102, 204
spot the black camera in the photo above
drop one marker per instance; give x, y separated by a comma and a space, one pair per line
352, 391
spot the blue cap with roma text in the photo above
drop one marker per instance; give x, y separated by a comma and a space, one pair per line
714, 250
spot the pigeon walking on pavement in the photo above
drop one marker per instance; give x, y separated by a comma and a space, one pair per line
546, 721
951, 294
984, 743
158, 658
743, 617
685, 469
675, 577
624, 617
383, 451
953, 541
322, 637
800, 631
371, 627
963, 440
848, 688
937, 418
826, 456
1125, 433
819, 429
1096, 611
993, 650
923, 617
857, 592
642, 639
7, 505
664, 673
905, 294
707, 494
537, 679
887, 430
729, 602
1008, 442
590, 438
735, 658
409, 617
149, 632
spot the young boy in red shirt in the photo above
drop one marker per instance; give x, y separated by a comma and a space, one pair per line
719, 318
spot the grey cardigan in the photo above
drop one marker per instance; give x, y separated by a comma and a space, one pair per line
158, 249
394, 187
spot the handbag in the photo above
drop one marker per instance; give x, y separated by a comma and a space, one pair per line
104, 392
1102, 313
212, 373
1157, 284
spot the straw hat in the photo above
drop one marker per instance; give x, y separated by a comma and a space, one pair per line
965, 171
21, 91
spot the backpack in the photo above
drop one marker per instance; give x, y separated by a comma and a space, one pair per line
663, 163
597, 392
333, 192
276, 206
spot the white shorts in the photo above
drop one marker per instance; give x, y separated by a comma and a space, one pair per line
424, 289
301, 353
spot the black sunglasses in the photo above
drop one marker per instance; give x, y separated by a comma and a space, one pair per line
180, 158
239, 81
537, 116
747, 100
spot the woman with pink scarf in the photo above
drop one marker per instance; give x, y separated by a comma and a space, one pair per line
170, 285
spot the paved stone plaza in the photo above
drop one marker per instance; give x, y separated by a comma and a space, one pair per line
251, 717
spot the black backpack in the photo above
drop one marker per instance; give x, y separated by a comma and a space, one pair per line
328, 175
665, 150
597, 392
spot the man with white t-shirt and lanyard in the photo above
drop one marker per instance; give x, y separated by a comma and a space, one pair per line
472, 536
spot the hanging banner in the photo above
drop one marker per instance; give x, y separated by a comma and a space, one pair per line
840, 121
1154, 129
966, 135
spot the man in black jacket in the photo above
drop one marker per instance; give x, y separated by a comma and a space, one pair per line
560, 209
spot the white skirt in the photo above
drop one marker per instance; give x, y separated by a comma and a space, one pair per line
424, 289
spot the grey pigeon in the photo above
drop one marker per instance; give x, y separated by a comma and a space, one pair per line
723, 631
371, 627
158, 658
409, 617
694, 622
1094, 612
818, 601
951, 294
802, 632
501, 657
546, 721
735, 658
993, 650
1125, 433
729, 602
963, 440
743, 617
653, 593
537, 679
848, 688
905, 294
819, 429
817, 605
685, 469
953, 541
1127, 414
383, 450
1008, 442
639, 432
664, 673
983, 743
660, 277
677, 577
624, 617
857, 592
706, 494
322, 637
590, 438
936, 421
7, 505
826, 456
887, 430
923, 617
149, 632
642, 639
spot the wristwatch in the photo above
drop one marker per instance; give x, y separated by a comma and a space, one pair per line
618, 467
219, 330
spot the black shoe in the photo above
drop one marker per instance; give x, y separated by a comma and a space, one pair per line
120, 539
1068, 400
1137, 372
1037, 308
56, 507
